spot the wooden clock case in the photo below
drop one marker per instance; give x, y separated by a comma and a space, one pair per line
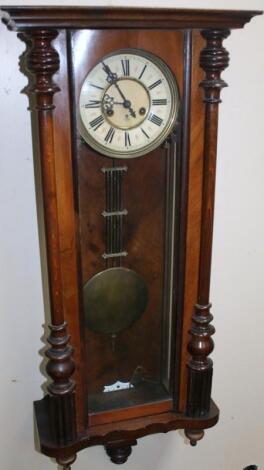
60, 51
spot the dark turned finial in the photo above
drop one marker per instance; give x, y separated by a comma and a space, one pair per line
60, 368
202, 344
201, 366
61, 365
43, 62
214, 58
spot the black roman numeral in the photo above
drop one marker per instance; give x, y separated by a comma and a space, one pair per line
142, 71
159, 102
155, 119
97, 122
127, 139
144, 132
93, 104
96, 86
125, 67
158, 82
110, 135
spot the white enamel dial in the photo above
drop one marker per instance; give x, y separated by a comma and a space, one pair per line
128, 104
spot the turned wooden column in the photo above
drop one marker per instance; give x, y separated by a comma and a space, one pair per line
42, 61
213, 59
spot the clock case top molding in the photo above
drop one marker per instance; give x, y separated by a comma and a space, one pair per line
64, 424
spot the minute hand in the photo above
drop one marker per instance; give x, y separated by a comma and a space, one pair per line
126, 103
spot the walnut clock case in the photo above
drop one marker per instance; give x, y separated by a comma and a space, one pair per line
125, 107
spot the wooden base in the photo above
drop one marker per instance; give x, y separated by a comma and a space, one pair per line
117, 437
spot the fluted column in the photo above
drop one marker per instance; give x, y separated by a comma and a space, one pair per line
213, 59
42, 61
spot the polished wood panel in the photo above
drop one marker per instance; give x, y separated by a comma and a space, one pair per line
195, 177
67, 226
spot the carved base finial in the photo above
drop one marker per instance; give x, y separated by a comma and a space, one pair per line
118, 455
119, 452
194, 435
66, 462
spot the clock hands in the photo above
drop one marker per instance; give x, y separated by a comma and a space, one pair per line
112, 79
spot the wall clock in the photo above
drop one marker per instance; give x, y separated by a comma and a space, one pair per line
125, 108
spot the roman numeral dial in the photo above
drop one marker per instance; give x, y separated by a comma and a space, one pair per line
128, 104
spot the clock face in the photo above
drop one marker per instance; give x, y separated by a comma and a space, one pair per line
128, 104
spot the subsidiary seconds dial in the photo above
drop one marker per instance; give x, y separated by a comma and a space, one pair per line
128, 104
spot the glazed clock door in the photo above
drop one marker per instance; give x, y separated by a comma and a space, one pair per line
127, 105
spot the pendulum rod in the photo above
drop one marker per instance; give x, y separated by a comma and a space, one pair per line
114, 215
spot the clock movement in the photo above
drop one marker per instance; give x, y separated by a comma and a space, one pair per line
124, 106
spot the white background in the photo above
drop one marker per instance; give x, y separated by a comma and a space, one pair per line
237, 289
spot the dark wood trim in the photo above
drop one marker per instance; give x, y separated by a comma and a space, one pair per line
20, 18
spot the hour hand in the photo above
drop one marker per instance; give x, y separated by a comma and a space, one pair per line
111, 76
126, 103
